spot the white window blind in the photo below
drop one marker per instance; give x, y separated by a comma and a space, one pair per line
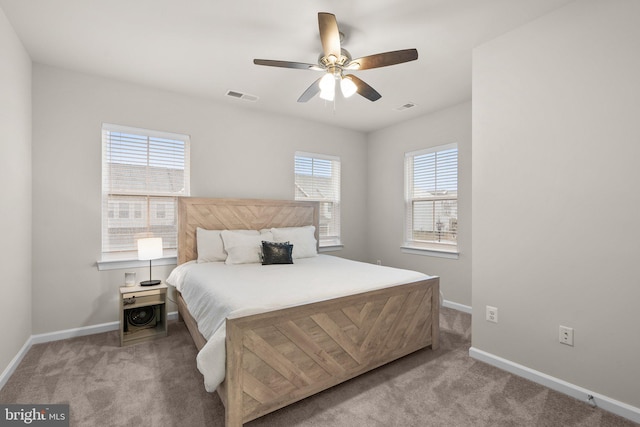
143, 173
431, 198
317, 178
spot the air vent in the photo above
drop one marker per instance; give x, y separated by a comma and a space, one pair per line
243, 96
405, 106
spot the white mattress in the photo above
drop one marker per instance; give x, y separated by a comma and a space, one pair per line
214, 291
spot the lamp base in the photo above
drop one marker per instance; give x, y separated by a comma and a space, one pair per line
150, 282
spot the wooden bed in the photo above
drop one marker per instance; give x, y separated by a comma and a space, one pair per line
279, 357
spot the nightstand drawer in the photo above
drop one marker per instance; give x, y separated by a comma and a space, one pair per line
138, 301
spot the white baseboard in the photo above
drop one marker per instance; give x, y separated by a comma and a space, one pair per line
75, 332
61, 335
13, 365
608, 404
456, 306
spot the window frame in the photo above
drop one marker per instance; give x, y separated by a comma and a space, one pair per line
428, 247
333, 242
110, 256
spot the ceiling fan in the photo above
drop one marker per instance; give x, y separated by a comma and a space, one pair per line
334, 61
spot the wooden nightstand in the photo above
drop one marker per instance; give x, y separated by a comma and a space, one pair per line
143, 313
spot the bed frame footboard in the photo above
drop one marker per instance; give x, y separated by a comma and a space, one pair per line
280, 357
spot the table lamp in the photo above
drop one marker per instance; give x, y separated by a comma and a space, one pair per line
150, 249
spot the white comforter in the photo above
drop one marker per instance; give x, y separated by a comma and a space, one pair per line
214, 291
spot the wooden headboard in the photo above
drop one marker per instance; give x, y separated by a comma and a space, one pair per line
237, 214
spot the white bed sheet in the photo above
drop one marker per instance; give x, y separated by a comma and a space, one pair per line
214, 291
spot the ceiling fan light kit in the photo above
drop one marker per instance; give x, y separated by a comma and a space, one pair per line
327, 86
348, 87
334, 61
327, 83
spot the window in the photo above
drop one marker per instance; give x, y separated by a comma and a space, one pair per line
431, 198
143, 173
317, 178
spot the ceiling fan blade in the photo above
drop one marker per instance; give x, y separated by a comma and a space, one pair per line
363, 88
287, 64
383, 59
329, 34
311, 91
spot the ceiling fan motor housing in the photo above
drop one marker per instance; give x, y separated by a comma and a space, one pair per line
327, 61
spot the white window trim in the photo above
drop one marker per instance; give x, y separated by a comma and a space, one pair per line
150, 132
437, 253
317, 156
335, 245
434, 249
331, 248
129, 259
125, 260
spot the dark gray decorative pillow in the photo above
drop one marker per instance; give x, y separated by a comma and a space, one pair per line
276, 253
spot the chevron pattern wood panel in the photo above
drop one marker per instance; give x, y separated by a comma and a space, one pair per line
284, 356
236, 214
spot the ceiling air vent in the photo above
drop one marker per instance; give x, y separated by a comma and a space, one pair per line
405, 106
243, 96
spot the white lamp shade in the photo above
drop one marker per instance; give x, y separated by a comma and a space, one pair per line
348, 87
149, 249
327, 83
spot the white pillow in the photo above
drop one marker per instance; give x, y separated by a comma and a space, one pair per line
302, 238
210, 245
243, 248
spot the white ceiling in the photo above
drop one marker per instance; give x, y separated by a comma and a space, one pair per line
206, 47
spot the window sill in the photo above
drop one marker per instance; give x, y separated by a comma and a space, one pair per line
331, 248
438, 253
123, 260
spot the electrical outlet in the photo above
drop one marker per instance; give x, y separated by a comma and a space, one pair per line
566, 335
379, 262
492, 314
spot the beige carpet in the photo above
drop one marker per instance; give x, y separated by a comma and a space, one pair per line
158, 384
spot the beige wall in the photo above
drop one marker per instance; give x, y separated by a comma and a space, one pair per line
556, 145
235, 152
386, 196
15, 193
